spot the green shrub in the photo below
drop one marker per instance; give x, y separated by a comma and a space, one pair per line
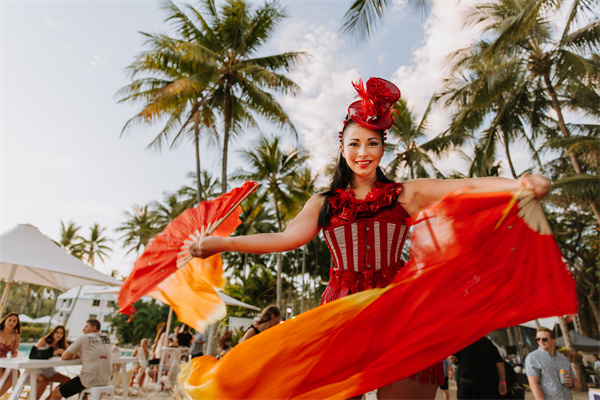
31, 333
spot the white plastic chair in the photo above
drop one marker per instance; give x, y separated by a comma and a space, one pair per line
96, 392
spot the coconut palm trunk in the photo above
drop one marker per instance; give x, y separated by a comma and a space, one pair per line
575, 363
198, 174
565, 132
226, 129
279, 260
303, 282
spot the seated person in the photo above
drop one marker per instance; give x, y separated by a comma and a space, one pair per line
10, 338
158, 348
142, 354
57, 340
95, 353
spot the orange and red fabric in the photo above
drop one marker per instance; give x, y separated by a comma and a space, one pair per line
477, 265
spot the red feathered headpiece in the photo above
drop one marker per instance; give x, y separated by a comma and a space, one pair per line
374, 109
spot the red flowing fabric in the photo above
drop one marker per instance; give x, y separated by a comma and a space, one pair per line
480, 261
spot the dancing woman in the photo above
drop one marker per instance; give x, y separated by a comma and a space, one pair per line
364, 216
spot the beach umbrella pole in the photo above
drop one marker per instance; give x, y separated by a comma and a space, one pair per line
162, 353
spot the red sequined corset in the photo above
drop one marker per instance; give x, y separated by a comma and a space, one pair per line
365, 238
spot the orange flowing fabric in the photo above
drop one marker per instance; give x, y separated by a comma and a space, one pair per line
480, 262
190, 291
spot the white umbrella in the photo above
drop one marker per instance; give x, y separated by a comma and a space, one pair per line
27, 255
25, 318
44, 320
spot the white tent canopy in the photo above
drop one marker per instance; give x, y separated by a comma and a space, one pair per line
27, 255
546, 322
228, 300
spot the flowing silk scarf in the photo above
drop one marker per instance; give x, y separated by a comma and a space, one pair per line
480, 262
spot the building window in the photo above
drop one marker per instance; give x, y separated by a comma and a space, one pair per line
106, 318
111, 303
93, 316
96, 303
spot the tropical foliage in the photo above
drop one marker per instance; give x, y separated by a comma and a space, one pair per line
213, 68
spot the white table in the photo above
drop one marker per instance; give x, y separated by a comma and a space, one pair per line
31, 367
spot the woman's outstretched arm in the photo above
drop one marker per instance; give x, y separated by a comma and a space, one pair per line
303, 228
421, 194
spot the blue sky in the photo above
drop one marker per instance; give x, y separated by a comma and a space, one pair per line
62, 157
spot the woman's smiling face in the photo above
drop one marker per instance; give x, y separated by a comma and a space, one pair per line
363, 149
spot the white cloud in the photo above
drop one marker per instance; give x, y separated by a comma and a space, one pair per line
326, 90
97, 61
444, 33
53, 24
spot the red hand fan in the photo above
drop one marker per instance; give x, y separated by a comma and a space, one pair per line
168, 250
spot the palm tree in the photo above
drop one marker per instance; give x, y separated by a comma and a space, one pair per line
362, 16
580, 188
70, 240
256, 217
211, 188
96, 245
521, 72
237, 81
171, 85
258, 288
412, 157
139, 227
277, 169
303, 188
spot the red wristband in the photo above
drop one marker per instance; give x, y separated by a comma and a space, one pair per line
502, 383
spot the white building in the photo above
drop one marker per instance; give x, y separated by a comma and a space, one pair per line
91, 303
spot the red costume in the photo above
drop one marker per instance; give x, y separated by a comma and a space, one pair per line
365, 238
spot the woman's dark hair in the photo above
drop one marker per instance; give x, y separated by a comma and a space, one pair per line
49, 338
342, 178
268, 313
225, 340
17, 328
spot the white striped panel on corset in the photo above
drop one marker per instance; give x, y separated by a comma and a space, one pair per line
391, 229
341, 240
334, 249
354, 230
400, 242
377, 244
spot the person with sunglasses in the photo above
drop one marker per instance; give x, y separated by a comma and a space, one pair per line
543, 367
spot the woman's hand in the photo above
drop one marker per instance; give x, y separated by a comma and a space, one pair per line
206, 246
59, 352
538, 183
